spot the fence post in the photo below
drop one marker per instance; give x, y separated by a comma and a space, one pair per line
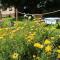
16, 10
0, 14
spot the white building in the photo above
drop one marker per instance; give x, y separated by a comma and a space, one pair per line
8, 12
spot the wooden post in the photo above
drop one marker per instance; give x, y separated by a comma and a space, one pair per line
16, 14
0, 15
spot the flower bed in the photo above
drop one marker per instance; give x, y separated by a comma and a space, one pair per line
30, 40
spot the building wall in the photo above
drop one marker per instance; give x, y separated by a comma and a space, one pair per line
8, 12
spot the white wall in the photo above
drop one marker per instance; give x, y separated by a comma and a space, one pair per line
7, 12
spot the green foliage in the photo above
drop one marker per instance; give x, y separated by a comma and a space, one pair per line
26, 41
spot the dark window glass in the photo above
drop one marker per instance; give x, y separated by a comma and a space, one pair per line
10, 9
4, 9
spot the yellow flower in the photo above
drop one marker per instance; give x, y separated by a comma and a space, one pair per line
1, 37
58, 51
38, 45
47, 42
15, 55
30, 37
29, 40
33, 33
58, 56
0, 29
48, 48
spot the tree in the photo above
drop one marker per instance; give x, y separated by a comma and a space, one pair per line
32, 6
15, 3
27, 5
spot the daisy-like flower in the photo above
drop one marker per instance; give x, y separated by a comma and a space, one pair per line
48, 48
15, 55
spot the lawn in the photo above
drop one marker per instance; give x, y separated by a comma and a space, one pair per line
29, 40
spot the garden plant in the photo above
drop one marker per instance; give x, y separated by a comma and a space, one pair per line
29, 40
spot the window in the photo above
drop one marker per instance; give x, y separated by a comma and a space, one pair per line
10, 9
4, 9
